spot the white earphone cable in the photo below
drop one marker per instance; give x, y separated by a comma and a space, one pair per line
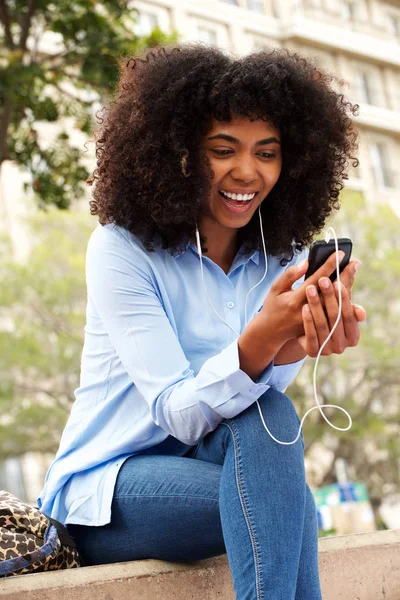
266, 267
204, 283
319, 406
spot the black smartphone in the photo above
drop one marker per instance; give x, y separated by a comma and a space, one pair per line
320, 252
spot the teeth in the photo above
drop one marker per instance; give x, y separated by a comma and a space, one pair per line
238, 197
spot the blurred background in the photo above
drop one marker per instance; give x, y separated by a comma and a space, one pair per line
57, 69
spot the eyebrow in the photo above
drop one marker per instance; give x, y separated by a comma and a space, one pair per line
229, 138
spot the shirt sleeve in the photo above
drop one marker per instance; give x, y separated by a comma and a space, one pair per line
124, 291
283, 375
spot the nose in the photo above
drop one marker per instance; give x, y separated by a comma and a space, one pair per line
245, 169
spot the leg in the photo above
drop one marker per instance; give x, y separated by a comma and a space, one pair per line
263, 500
308, 584
164, 507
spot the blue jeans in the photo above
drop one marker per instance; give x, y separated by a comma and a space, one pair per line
237, 492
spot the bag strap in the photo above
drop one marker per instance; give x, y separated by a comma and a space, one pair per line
64, 536
39, 555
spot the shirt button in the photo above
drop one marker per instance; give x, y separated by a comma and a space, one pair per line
230, 304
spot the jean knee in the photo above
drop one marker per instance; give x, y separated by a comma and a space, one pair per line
279, 414
279, 407
274, 400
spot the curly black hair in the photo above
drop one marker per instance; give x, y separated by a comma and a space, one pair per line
164, 105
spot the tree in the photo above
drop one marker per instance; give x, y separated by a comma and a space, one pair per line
41, 332
57, 61
364, 380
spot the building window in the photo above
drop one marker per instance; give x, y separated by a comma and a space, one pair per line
275, 7
146, 23
256, 6
364, 88
368, 85
394, 24
349, 10
207, 35
382, 175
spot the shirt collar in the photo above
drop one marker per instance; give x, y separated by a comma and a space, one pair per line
255, 257
246, 257
180, 251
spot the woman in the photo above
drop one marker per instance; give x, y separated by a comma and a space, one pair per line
164, 454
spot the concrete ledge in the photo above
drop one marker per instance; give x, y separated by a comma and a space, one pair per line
363, 566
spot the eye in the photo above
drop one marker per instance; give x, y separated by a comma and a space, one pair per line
267, 154
227, 152
222, 152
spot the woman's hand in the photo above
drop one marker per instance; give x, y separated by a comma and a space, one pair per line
320, 314
282, 308
274, 332
279, 320
347, 278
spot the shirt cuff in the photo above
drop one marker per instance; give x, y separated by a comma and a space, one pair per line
283, 375
267, 374
238, 380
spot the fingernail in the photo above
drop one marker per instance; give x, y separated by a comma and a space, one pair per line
356, 267
306, 309
361, 307
341, 255
312, 290
324, 283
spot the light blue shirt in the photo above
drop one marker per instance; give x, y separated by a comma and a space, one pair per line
158, 366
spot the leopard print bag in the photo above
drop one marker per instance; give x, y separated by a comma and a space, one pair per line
30, 541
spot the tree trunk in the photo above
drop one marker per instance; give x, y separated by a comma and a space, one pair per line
5, 120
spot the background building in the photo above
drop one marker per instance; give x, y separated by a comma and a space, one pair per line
358, 40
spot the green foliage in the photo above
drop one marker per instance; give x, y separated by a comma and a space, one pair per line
42, 316
364, 380
59, 61
327, 533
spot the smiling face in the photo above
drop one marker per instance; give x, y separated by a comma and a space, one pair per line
246, 159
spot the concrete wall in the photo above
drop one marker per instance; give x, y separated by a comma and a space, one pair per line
354, 567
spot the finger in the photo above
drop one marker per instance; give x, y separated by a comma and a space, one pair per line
347, 276
360, 313
309, 341
289, 277
351, 327
318, 314
331, 305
